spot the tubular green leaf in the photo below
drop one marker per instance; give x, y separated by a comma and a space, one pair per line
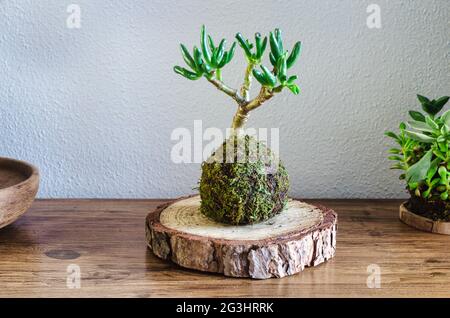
187, 57
271, 79
294, 89
224, 60
279, 40
231, 52
206, 68
198, 59
291, 79
294, 54
258, 45
273, 61
184, 72
274, 46
282, 68
211, 43
244, 45
263, 46
218, 55
260, 77
205, 49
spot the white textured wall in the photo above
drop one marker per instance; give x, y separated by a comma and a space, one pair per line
94, 107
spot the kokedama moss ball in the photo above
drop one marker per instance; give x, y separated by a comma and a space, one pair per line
243, 182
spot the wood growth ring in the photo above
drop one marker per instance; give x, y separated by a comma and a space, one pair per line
300, 236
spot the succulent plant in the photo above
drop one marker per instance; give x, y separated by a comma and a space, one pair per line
209, 60
424, 153
252, 191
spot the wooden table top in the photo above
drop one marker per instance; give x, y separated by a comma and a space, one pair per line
105, 239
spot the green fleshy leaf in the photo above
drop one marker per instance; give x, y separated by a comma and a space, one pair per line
294, 54
421, 126
260, 77
443, 173
279, 40
204, 45
244, 45
392, 135
419, 137
187, 57
291, 79
274, 46
430, 122
271, 79
231, 52
418, 171
218, 54
433, 168
294, 89
446, 118
423, 99
440, 102
417, 116
282, 69
211, 43
186, 73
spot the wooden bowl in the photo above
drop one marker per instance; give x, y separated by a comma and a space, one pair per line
19, 183
423, 223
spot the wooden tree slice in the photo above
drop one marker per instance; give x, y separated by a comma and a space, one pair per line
423, 223
302, 235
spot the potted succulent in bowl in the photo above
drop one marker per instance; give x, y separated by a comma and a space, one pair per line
423, 154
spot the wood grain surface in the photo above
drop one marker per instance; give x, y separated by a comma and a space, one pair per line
106, 239
302, 235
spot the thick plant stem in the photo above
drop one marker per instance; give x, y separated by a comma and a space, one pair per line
247, 82
239, 119
242, 113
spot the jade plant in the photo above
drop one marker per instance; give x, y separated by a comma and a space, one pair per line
423, 155
252, 191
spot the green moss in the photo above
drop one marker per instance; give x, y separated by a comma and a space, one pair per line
243, 182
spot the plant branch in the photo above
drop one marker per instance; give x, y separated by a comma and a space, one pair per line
226, 89
242, 113
247, 81
264, 94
